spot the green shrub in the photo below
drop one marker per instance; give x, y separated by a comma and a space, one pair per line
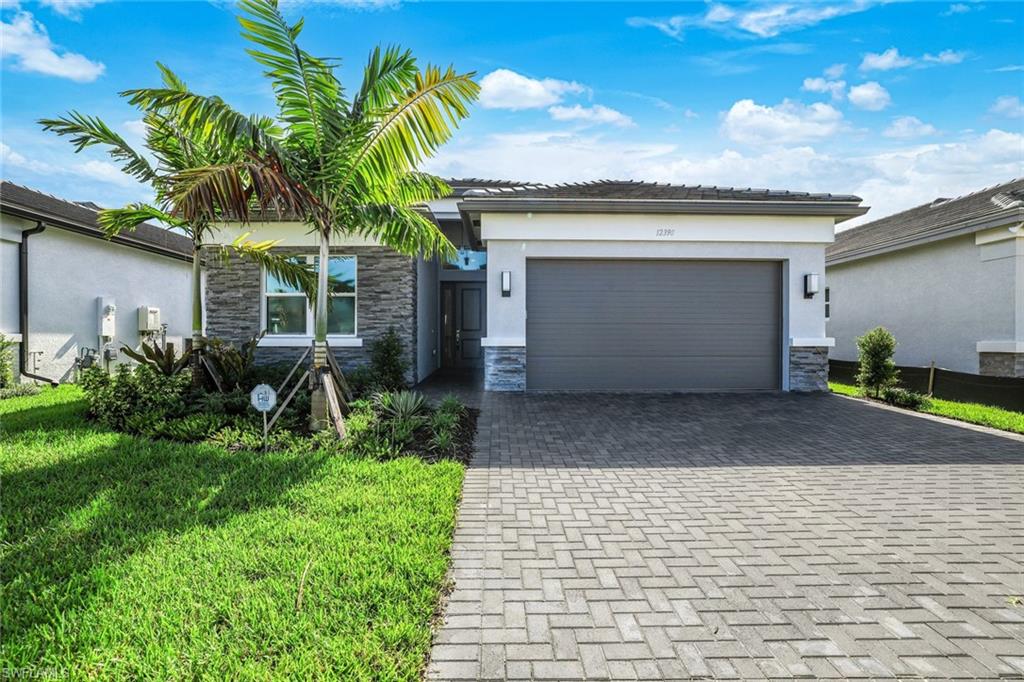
362, 380
6, 362
450, 403
143, 391
162, 360
901, 397
877, 370
234, 366
387, 361
18, 390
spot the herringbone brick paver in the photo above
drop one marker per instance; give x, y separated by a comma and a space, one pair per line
733, 537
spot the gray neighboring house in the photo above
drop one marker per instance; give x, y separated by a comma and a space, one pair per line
66, 291
605, 285
947, 278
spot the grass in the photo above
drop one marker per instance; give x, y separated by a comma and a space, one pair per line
973, 413
124, 558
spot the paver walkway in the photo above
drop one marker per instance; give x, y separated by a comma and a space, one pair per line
733, 536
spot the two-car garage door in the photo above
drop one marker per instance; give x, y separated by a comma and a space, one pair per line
652, 324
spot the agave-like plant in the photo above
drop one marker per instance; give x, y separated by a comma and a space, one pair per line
348, 164
162, 360
177, 148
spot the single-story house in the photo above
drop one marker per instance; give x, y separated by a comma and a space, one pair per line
589, 286
946, 278
68, 295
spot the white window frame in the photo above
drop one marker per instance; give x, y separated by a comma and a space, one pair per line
288, 339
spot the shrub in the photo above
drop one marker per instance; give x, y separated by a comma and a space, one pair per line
450, 403
234, 366
877, 370
387, 361
6, 362
143, 392
362, 380
901, 397
17, 390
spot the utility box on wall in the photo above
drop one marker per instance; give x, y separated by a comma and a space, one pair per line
107, 310
149, 318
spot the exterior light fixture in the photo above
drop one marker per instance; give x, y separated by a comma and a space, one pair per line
506, 283
811, 285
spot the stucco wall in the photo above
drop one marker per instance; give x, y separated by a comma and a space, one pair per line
799, 243
939, 300
68, 272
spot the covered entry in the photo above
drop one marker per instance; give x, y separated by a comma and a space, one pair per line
615, 324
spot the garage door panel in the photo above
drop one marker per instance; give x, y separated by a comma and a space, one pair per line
652, 325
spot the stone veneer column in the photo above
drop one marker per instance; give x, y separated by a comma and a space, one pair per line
1001, 364
504, 368
808, 368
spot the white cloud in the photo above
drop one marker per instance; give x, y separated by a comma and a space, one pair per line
690, 113
1009, 68
506, 89
908, 127
26, 43
885, 61
72, 9
945, 57
892, 59
836, 88
956, 8
835, 71
890, 181
1009, 106
764, 21
870, 96
12, 159
594, 114
789, 122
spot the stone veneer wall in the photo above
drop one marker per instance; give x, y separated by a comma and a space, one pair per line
385, 297
1001, 364
808, 368
504, 368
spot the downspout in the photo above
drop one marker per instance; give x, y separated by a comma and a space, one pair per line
23, 302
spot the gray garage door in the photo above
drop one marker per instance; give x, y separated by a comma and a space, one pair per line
652, 324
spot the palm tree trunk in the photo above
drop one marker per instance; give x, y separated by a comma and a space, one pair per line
318, 404
197, 314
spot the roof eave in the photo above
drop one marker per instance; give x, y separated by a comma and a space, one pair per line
1004, 217
124, 239
841, 210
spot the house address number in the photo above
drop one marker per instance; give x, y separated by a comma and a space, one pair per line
666, 232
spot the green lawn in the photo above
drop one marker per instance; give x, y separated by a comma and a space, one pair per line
126, 558
985, 415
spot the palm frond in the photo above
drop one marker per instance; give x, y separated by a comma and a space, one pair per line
388, 75
113, 221
418, 125
401, 228
287, 269
88, 131
309, 96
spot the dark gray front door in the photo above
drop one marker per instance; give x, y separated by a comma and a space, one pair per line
653, 324
463, 323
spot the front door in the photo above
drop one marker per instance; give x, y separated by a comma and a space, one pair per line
463, 323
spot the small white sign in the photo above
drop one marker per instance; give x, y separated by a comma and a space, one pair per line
263, 398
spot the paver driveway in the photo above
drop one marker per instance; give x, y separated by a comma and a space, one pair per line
733, 536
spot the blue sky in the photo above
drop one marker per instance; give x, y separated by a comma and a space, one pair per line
898, 102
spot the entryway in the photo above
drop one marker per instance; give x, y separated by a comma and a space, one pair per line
463, 324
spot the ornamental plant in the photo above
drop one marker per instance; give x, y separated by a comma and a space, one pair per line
877, 370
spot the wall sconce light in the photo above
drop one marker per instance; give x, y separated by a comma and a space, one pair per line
811, 285
506, 283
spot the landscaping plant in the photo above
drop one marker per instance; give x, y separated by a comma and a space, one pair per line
902, 397
6, 362
877, 370
344, 160
162, 360
387, 359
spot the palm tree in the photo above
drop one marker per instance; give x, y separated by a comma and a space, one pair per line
175, 149
350, 161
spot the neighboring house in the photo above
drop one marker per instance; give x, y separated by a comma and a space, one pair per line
946, 278
67, 292
589, 286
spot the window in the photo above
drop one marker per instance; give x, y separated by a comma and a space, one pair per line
828, 304
287, 312
467, 259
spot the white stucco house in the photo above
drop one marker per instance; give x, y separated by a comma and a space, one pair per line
589, 286
67, 292
946, 278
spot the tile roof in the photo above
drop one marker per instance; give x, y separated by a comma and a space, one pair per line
639, 190
462, 186
930, 221
81, 216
